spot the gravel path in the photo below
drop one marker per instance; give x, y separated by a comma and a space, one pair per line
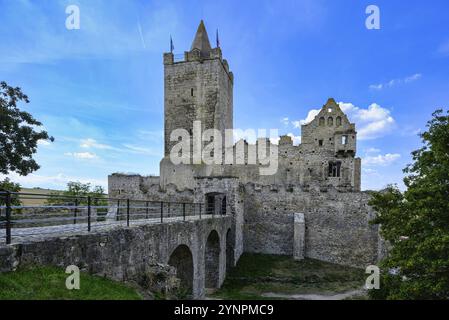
338, 296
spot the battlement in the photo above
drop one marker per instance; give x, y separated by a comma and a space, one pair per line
171, 59
195, 55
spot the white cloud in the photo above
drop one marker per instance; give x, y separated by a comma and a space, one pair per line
371, 123
285, 121
156, 136
141, 150
92, 143
81, 155
372, 150
376, 86
310, 116
43, 143
368, 171
412, 78
396, 82
380, 160
296, 139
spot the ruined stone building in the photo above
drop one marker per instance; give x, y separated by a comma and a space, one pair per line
311, 206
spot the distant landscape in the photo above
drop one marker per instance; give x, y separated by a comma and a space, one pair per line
36, 201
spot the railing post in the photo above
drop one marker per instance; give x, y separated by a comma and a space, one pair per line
76, 211
184, 211
88, 213
162, 212
117, 218
127, 212
8, 217
200, 210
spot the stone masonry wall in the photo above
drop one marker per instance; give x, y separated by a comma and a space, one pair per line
123, 254
145, 188
337, 224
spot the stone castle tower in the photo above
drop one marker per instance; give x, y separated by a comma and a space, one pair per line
199, 87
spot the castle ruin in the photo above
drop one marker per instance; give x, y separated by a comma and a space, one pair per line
312, 206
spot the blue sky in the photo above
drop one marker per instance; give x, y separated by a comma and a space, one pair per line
99, 90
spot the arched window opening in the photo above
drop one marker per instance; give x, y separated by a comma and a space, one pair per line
338, 121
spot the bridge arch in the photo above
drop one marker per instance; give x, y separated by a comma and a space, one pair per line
212, 260
182, 259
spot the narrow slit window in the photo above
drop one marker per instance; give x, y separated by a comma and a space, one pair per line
344, 140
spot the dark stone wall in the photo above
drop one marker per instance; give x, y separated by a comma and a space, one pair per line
337, 224
123, 254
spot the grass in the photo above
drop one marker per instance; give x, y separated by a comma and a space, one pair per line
256, 274
36, 201
48, 283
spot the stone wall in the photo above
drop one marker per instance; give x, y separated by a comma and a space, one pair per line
337, 225
233, 191
138, 187
336, 221
123, 254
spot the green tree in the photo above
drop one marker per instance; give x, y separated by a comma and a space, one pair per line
81, 191
416, 223
18, 138
8, 185
18, 133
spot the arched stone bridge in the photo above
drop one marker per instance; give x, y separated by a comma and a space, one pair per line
201, 250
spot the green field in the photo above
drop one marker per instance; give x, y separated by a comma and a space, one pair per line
36, 201
256, 274
48, 283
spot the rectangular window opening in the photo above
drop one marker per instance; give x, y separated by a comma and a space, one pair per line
334, 169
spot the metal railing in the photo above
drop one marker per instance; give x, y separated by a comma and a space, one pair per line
25, 215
